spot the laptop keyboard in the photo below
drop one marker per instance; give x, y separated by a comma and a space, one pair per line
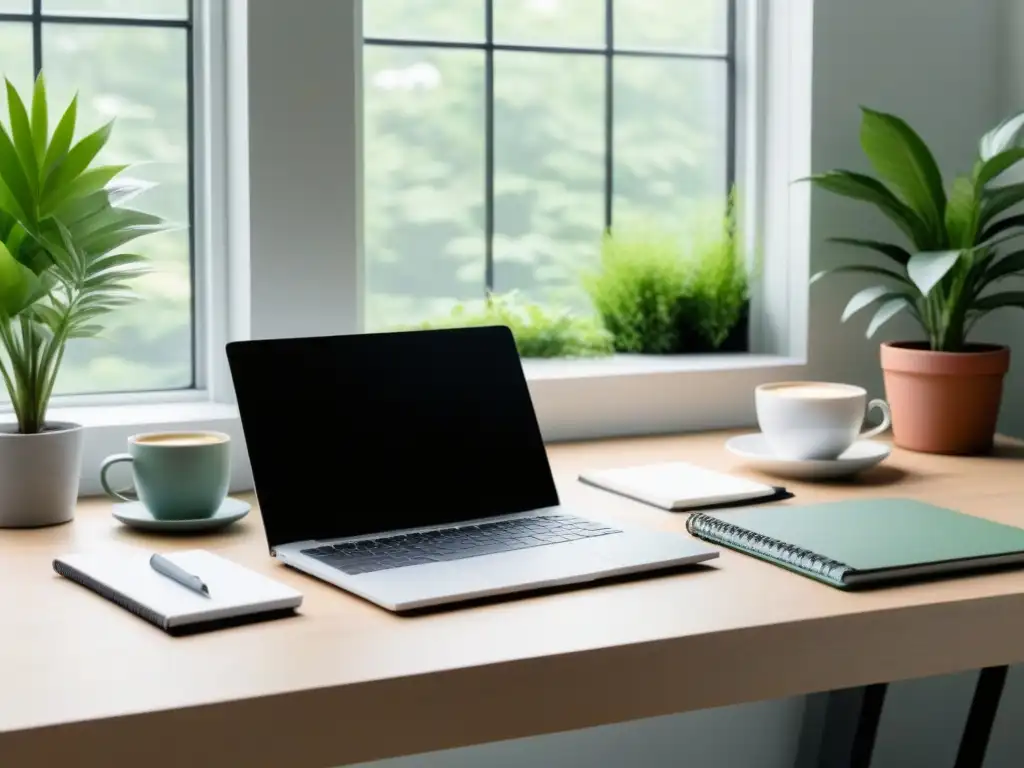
401, 550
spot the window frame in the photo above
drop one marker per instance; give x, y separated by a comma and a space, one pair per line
611, 52
205, 17
290, 161
109, 418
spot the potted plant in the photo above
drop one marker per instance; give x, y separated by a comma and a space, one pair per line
658, 293
945, 391
61, 223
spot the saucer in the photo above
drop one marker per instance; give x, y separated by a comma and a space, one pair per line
135, 515
862, 455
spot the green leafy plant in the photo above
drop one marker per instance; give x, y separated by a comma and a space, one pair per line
658, 294
953, 258
539, 332
720, 287
61, 223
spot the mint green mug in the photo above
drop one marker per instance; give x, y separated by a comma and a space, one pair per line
178, 475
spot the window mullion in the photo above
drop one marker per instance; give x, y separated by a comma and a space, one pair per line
609, 110
489, 148
37, 37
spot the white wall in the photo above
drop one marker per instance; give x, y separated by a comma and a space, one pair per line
938, 64
930, 61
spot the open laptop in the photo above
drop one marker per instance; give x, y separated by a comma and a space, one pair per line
409, 469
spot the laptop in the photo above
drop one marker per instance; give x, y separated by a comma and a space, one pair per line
408, 468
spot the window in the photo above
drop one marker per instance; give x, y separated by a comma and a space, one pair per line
129, 60
503, 136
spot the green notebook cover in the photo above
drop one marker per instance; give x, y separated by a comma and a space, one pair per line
868, 542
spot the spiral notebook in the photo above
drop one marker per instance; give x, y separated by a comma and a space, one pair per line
237, 595
864, 543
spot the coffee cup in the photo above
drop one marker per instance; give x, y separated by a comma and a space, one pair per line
814, 419
178, 475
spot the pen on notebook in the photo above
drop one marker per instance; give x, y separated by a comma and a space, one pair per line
165, 567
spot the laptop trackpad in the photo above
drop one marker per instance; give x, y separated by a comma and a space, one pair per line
534, 567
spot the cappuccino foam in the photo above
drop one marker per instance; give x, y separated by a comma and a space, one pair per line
813, 391
180, 439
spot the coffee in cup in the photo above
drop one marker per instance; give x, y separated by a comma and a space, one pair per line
814, 420
178, 475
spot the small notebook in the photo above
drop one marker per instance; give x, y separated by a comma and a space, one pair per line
237, 594
863, 543
676, 485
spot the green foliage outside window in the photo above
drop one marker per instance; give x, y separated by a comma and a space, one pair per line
660, 293
538, 331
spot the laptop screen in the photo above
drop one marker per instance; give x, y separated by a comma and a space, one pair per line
350, 435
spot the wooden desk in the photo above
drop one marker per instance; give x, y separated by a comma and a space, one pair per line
83, 682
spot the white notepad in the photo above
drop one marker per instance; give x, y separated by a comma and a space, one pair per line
126, 578
676, 485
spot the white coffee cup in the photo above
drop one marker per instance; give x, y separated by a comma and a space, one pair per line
814, 419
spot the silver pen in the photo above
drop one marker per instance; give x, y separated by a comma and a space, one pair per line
175, 572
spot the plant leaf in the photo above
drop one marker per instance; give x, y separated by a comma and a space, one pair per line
901, 157
61, 140
1001, 138
962, 213
18, 284
13, 175
995, 301
81, 331
998, 164
21, 135
109, 220
15, 239
857, 186
864, 298
77, 160
927, 269
40, 129
1012, 263
48, 316
113, 237
860, 268
92, 180
1008, 265
894, 252
999, 200
1008, 222
999, 300
114, 261
885, 313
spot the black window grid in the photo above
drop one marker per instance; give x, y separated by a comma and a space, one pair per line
37, 17
488, 46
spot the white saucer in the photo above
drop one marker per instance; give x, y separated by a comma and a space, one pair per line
135, 515
862, 455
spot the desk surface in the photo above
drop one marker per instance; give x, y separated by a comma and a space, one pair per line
83, 681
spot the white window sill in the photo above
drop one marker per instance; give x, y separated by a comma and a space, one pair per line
174, 415
538, 369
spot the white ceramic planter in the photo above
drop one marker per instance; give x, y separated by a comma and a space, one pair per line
39, 475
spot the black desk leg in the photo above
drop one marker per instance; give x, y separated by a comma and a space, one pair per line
982, 714
840, 727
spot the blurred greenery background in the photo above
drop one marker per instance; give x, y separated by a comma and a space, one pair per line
425, 150
137, 75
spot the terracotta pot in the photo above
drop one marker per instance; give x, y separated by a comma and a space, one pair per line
944, 402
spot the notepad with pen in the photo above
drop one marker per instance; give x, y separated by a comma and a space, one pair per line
865, 542
236, 593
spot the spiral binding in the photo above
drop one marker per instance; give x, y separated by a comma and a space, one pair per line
119, 598
718, 531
